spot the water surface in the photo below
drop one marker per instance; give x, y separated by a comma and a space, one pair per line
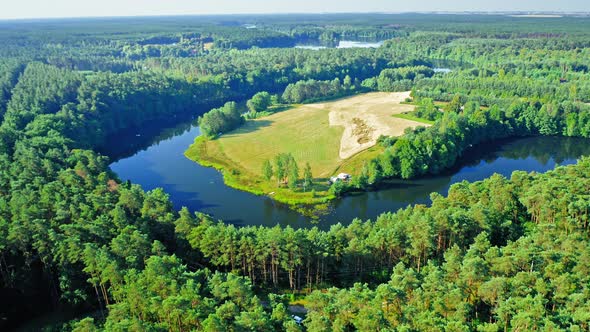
153, 157
342, 44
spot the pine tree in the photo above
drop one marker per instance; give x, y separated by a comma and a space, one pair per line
267, 170
279, 169
307, 176
293, 172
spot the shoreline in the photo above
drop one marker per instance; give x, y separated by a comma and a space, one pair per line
310, 204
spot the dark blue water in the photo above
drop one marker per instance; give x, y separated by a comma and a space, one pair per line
153, 157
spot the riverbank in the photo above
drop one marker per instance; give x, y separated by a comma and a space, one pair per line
338, 136
312, 202
159, 162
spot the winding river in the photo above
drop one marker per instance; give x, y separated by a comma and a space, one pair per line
152, 156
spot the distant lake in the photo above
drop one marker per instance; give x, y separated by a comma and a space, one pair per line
153, 157
442, 70
343, 44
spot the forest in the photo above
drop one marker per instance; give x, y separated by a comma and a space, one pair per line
495, 255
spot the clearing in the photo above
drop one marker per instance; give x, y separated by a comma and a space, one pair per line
366, 117
331, 136
323, 134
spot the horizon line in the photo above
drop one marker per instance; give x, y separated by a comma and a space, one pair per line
448, 12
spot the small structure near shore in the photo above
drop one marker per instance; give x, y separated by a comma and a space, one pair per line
340, 177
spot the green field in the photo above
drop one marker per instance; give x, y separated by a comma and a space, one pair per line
313, 134
303, 131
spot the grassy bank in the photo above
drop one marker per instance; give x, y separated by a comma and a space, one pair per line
311, 202
325, 135
410, 116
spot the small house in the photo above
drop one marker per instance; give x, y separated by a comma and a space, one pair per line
340, 177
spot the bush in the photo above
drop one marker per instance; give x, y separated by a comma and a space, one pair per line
220, 120
338, 188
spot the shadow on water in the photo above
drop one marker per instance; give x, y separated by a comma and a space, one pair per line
152, 156
538, 154
129, 142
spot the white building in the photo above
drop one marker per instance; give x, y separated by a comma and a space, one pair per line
340, 177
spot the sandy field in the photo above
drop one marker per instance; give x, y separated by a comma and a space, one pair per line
324, 134
366, 117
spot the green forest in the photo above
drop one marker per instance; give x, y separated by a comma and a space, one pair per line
502, 254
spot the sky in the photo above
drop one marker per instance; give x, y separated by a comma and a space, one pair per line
11, 9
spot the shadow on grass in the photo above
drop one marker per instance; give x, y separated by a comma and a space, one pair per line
281, 108
249, 127
319, 185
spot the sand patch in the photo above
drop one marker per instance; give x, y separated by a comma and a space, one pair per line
324, 135
366, 117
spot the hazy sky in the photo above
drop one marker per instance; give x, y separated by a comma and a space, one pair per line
76, 8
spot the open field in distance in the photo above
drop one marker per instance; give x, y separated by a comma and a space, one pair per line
323, 134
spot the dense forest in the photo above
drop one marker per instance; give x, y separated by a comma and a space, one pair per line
495, 255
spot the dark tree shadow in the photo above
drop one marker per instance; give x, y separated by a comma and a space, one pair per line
249, 127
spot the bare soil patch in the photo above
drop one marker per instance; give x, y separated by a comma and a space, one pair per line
366, 117
325, 135
362, 131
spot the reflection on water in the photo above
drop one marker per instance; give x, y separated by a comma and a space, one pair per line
153, 157
538, 154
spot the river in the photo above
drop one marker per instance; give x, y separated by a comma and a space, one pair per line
153, 157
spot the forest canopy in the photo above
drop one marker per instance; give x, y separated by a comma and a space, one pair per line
494, 255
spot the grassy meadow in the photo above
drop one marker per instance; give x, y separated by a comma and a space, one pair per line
311, 135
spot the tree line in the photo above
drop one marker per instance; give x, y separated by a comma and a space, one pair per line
311, 90
285, 170
500, 254
436, 148
221, 120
